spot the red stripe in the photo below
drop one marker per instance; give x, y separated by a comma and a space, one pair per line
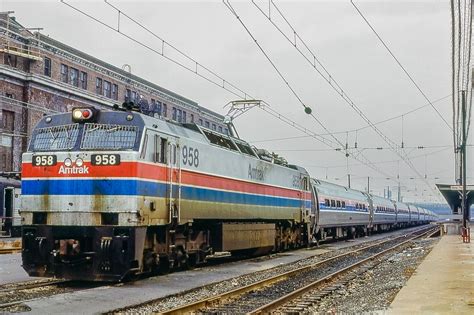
158, 172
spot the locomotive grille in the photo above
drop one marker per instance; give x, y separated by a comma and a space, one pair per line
56, 138
104, 136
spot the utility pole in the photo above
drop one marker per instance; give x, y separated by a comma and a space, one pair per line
399, 197
368, 184
349, 180
464, 209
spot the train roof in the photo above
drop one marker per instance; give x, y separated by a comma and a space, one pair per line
377, 200
205, 135
402, 205
189, 131
331, 189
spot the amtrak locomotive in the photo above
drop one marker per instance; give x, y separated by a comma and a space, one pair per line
109, 195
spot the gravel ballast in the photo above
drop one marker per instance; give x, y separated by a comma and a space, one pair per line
374, 290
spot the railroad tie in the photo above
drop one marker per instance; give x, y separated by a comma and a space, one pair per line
294, 309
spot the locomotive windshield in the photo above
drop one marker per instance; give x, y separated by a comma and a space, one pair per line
108, 137
114, 132
55, 138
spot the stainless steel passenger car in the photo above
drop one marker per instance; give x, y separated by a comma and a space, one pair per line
384, 213
403, 214
341, 211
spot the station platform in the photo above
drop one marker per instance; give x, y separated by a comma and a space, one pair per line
443, 283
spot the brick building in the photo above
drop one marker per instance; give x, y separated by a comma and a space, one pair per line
40, 75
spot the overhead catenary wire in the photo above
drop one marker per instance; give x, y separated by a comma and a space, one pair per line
401, 66
236, 15
333, 83
280, 74
267, 109
355, 130
461, 78
420, 147
224, 84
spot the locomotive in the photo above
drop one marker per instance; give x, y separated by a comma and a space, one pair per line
110, 195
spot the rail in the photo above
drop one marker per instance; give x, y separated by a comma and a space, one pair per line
210, 301
295, 294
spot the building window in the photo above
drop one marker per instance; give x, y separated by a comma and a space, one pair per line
47, 67
4, 162
98, 86
207, 124
214, 127
134, 96
115, 91
6, 141
192, 119
64, 73
107, 89
10, 60
83, 79
128, 95
184, 117
8, 120
179, 115
165, 110
219, 129
74, 77
9, 95
158, 108
226, 131
173, 116
200, 121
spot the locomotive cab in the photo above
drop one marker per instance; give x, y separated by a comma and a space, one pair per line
76, 206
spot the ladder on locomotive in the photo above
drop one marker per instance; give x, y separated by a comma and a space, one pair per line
174, 179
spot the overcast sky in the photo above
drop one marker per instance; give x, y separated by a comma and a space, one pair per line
418, 32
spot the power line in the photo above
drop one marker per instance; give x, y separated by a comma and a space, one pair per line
225, 84
280, 74
222, 83
383, 162
360, 128
401, 66
332, 82
234, 12
420, 147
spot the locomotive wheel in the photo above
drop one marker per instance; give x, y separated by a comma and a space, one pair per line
182, 259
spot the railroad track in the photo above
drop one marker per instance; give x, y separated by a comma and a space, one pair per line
18, 294
10, 250
273, 293
10, 247
30, 285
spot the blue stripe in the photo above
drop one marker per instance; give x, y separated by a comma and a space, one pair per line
323, 206
145, 188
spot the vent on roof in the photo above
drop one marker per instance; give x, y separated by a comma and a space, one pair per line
220, 140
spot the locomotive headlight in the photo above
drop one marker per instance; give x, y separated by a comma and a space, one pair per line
79, 162
68, 162
83, 114
77, 114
